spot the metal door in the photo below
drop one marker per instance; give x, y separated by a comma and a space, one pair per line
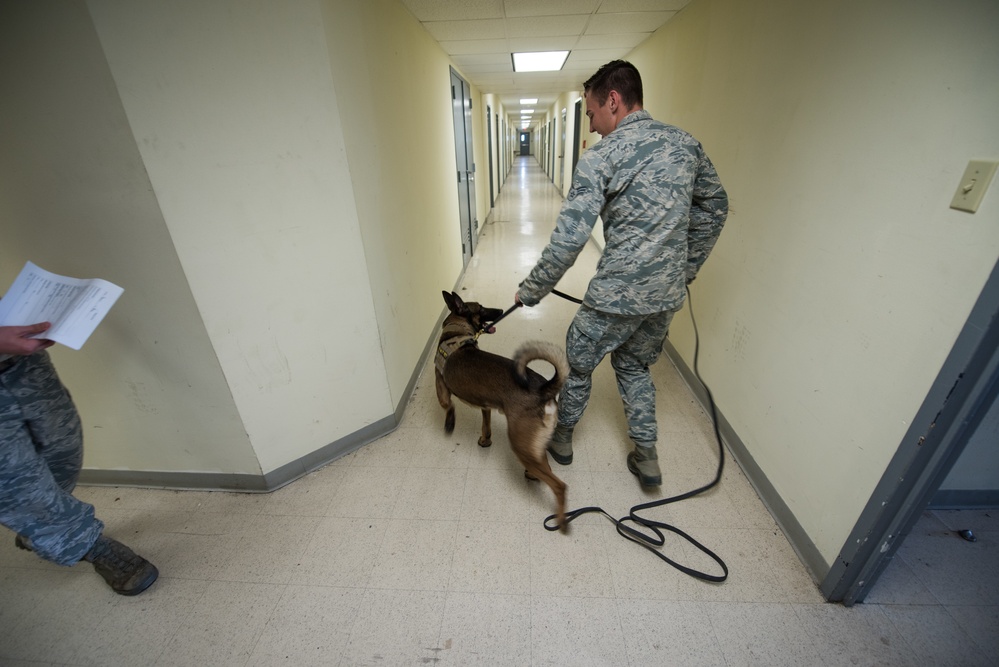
575, 135
489, 134
561, 157
461, 106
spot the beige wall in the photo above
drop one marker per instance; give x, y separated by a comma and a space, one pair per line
272, 186
75, 198
274, 190
842, 278
236, 119
492, 102
400, 145
567, 101
553, 114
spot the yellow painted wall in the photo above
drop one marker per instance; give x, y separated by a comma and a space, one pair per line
843, 277
273, 186
393, 90
76, 199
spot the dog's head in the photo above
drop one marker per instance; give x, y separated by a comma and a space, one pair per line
474, 313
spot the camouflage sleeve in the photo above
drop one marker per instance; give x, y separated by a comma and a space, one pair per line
708, 211
572, 229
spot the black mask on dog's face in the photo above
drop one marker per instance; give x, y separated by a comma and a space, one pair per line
474, 312
482, 315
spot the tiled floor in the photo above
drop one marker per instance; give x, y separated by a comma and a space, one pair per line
423, 548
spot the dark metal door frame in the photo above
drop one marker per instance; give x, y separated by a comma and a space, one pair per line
966, 386
576, 133
489, 134
561, 156
461, 107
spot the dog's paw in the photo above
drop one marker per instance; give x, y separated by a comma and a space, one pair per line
485, 442
529, 476
449, 421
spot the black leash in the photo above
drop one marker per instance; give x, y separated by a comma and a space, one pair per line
567, 297
518, 305
634, 534
494, 322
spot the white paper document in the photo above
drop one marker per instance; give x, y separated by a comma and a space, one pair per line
74, 307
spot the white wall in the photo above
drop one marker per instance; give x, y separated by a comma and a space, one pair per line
842, 278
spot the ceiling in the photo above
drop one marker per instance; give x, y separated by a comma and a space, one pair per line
480, 35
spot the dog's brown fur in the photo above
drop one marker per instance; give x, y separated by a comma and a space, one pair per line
489, 381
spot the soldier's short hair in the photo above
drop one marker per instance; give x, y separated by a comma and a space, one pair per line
619, 75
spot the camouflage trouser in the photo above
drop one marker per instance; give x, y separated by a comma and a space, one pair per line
634, 343
41, 452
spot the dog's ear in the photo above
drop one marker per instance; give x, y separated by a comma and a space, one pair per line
453, 301
455, 304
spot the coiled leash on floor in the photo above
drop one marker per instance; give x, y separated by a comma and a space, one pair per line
635, 535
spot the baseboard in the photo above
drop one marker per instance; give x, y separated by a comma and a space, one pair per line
279, 477
957, 499
242, 482
810, 556
180, 481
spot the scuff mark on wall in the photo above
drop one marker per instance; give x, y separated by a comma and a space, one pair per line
267, 365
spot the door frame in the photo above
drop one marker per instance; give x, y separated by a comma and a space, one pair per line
578, 115
958, 400
461, 109
489, 134
561, 155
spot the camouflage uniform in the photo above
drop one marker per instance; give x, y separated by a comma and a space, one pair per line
662, 207
41, 452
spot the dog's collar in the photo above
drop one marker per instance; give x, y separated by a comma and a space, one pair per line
459, 329
448, 346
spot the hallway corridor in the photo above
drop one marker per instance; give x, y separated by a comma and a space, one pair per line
423, 548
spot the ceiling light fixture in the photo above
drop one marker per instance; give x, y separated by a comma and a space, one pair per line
528, 102
539, 61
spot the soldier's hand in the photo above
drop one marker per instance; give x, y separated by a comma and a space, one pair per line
18, 340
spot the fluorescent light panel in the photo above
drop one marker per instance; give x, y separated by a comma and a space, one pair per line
529, 102
539, 61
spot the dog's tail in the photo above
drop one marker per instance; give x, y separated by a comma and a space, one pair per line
553, 354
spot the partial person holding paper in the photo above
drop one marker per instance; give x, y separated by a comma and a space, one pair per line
23, 340
41, 436
73, 306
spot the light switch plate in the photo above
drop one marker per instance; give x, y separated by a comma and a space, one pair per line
973, 185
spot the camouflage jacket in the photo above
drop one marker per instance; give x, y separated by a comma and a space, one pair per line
662, 207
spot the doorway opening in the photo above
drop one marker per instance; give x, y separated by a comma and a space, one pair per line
959, 402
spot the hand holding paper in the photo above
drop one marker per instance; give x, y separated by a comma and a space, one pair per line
74, 307
22, 341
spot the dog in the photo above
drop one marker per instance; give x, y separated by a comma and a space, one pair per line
489, 381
